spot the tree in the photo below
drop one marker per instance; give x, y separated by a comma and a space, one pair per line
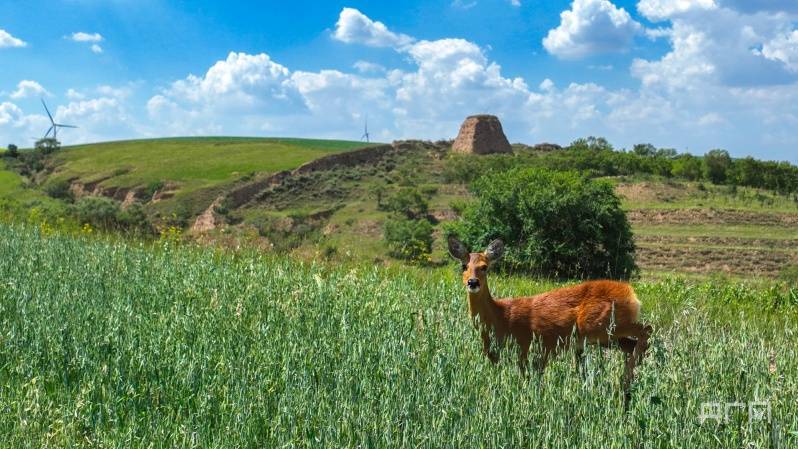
591, 143
558, 224
47, 145
717, 163
13, 151
688, 167
644, 149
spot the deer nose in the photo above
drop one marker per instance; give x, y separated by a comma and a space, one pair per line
473, 283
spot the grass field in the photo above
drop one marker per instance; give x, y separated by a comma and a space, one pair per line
130, 345
192, 163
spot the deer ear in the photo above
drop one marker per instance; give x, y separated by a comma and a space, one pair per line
457, 250
495, 250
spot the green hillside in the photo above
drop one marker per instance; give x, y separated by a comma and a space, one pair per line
191, 163
740, 228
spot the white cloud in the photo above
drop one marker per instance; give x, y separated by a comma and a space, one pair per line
591, 27
366, 67
721, 46
355, 27
515, 2
463, 4
73, 94
90, 38
784, 48
10, 113
7, 40
27, 88
80, 36
663, 9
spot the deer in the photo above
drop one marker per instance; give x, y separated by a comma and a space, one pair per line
600, 312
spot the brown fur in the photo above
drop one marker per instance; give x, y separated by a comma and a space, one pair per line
595, 312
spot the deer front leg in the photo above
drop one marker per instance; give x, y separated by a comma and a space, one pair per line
491, 355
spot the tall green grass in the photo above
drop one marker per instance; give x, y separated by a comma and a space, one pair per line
123, 345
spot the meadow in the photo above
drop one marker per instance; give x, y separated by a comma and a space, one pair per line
192, 163
107, 343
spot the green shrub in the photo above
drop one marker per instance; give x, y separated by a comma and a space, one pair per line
153, 187
407, 202
100, 212
59, 189
107, 214
409, 239
12, 151
558, 224
134, 218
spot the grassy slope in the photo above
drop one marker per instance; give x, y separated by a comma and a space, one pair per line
17, 201
179, 347
194, 163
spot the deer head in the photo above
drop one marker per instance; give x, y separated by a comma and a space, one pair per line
475, 265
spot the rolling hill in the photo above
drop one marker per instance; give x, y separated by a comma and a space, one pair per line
318, 198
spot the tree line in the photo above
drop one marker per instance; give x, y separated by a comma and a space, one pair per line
596, 157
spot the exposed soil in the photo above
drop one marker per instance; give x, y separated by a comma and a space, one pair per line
661, 240
651, 192
734, 261
711, 216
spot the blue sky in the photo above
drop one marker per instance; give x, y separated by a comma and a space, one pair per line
688, 74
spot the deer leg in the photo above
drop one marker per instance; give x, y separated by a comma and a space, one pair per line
492, 356
542, 361
579, 358
633, 357
523, 359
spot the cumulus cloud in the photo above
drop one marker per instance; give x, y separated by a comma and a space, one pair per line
366, 67
783, 48
7, 40
721, 46
591, 27
80, 36
89, 38
663, 9
27, 88
355, 27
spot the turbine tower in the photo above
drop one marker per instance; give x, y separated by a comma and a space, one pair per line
366, 131
54, 126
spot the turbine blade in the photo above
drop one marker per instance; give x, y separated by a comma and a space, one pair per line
48, 111
48, 131
65, 126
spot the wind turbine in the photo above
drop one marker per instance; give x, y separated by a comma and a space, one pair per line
366, 131
54, 127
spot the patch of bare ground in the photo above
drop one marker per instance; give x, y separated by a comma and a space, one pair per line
711, 216
651, 192
764, 262
704, 241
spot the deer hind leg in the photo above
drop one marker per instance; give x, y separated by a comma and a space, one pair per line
635, 351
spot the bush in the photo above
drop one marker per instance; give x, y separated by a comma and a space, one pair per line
717, 164
558, 224
59, 189
107, 214
13, 151
407, 202
99, 212
409, 239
